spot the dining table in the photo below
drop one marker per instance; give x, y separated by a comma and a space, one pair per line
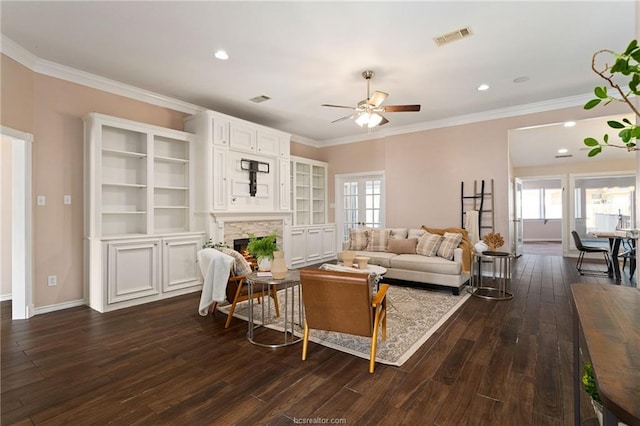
615, 239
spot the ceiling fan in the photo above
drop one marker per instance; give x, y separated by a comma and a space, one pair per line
368, 111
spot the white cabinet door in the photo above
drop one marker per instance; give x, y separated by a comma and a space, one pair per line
283, 186
242, 137
314, 244
284, 146
328, 242
268, 143
298, 247
179, 267
220, 128
220, 185
133, 270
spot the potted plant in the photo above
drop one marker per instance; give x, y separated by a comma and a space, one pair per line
589, 382
624, 71
262, 249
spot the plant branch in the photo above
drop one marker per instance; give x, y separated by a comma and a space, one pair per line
609, 78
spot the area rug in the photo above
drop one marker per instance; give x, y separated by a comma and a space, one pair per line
413, 315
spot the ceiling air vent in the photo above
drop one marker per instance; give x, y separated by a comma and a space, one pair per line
260, 99
564, 156
453, 36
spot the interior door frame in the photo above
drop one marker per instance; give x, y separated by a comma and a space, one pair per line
21, 223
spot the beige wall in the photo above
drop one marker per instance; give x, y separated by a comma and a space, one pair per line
57, 108
423, 170
16, 95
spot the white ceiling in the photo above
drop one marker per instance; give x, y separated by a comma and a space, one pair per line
304, 54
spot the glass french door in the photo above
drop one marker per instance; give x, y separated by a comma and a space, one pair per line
361, 202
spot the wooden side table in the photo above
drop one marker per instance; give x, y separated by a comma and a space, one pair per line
609, 316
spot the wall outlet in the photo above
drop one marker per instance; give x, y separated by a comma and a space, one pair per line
41, 200
67, 199
52, 280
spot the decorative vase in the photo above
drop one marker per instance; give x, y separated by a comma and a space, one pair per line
362, 261
278, 265
480, 247
264, 264
347, 257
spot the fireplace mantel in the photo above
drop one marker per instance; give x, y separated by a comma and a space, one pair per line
230, 216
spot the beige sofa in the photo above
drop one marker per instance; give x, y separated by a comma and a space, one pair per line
415, 255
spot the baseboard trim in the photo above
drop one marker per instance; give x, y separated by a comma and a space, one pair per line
57, 307
4, 297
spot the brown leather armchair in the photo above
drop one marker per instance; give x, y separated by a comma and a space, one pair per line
343, 302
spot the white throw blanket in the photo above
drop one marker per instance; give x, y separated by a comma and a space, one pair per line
215, 267
472, 226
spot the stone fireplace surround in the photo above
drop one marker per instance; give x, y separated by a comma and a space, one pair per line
229, 226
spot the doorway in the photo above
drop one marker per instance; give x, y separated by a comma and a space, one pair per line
359, 202
542, 215
16, 221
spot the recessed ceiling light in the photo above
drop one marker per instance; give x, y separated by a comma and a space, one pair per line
563, 151
222, 55
569, 124
483, 87
521, 79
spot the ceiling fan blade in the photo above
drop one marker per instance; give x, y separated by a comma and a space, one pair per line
344, 118
384, 121
377, 98
401, 108
337, 106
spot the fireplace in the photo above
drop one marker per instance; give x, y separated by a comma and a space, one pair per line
240, 245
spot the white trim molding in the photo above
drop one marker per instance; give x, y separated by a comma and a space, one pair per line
63, 72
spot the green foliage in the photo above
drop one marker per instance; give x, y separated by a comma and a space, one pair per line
589, 382
262, 247
626, 64
211, 244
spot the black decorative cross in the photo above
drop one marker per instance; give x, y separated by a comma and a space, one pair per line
254, 167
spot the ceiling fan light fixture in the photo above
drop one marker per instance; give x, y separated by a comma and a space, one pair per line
374, 120
363, 119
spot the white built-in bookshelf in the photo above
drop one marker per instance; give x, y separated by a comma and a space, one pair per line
140, 240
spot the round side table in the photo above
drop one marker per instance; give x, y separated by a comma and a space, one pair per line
501, 277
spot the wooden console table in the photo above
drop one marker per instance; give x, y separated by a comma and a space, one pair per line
609, 316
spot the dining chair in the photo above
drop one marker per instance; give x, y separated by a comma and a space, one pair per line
590, 249
343, 302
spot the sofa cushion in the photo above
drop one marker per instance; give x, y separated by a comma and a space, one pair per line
404, 246
428, 244
398, 233
416, 233
416, 262
467, 247
450, 241
378, 239
379, 258
359, 239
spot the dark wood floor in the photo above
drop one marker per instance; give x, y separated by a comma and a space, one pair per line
493, 363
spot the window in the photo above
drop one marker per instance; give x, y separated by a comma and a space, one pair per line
542, 203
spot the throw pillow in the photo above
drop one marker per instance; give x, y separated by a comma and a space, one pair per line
405, 246
416, 233
359, 239
398, 233
240, 264
378, 240
428, 244
450, 241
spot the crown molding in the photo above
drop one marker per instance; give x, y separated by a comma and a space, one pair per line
52, 69
42, 66
532, 108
